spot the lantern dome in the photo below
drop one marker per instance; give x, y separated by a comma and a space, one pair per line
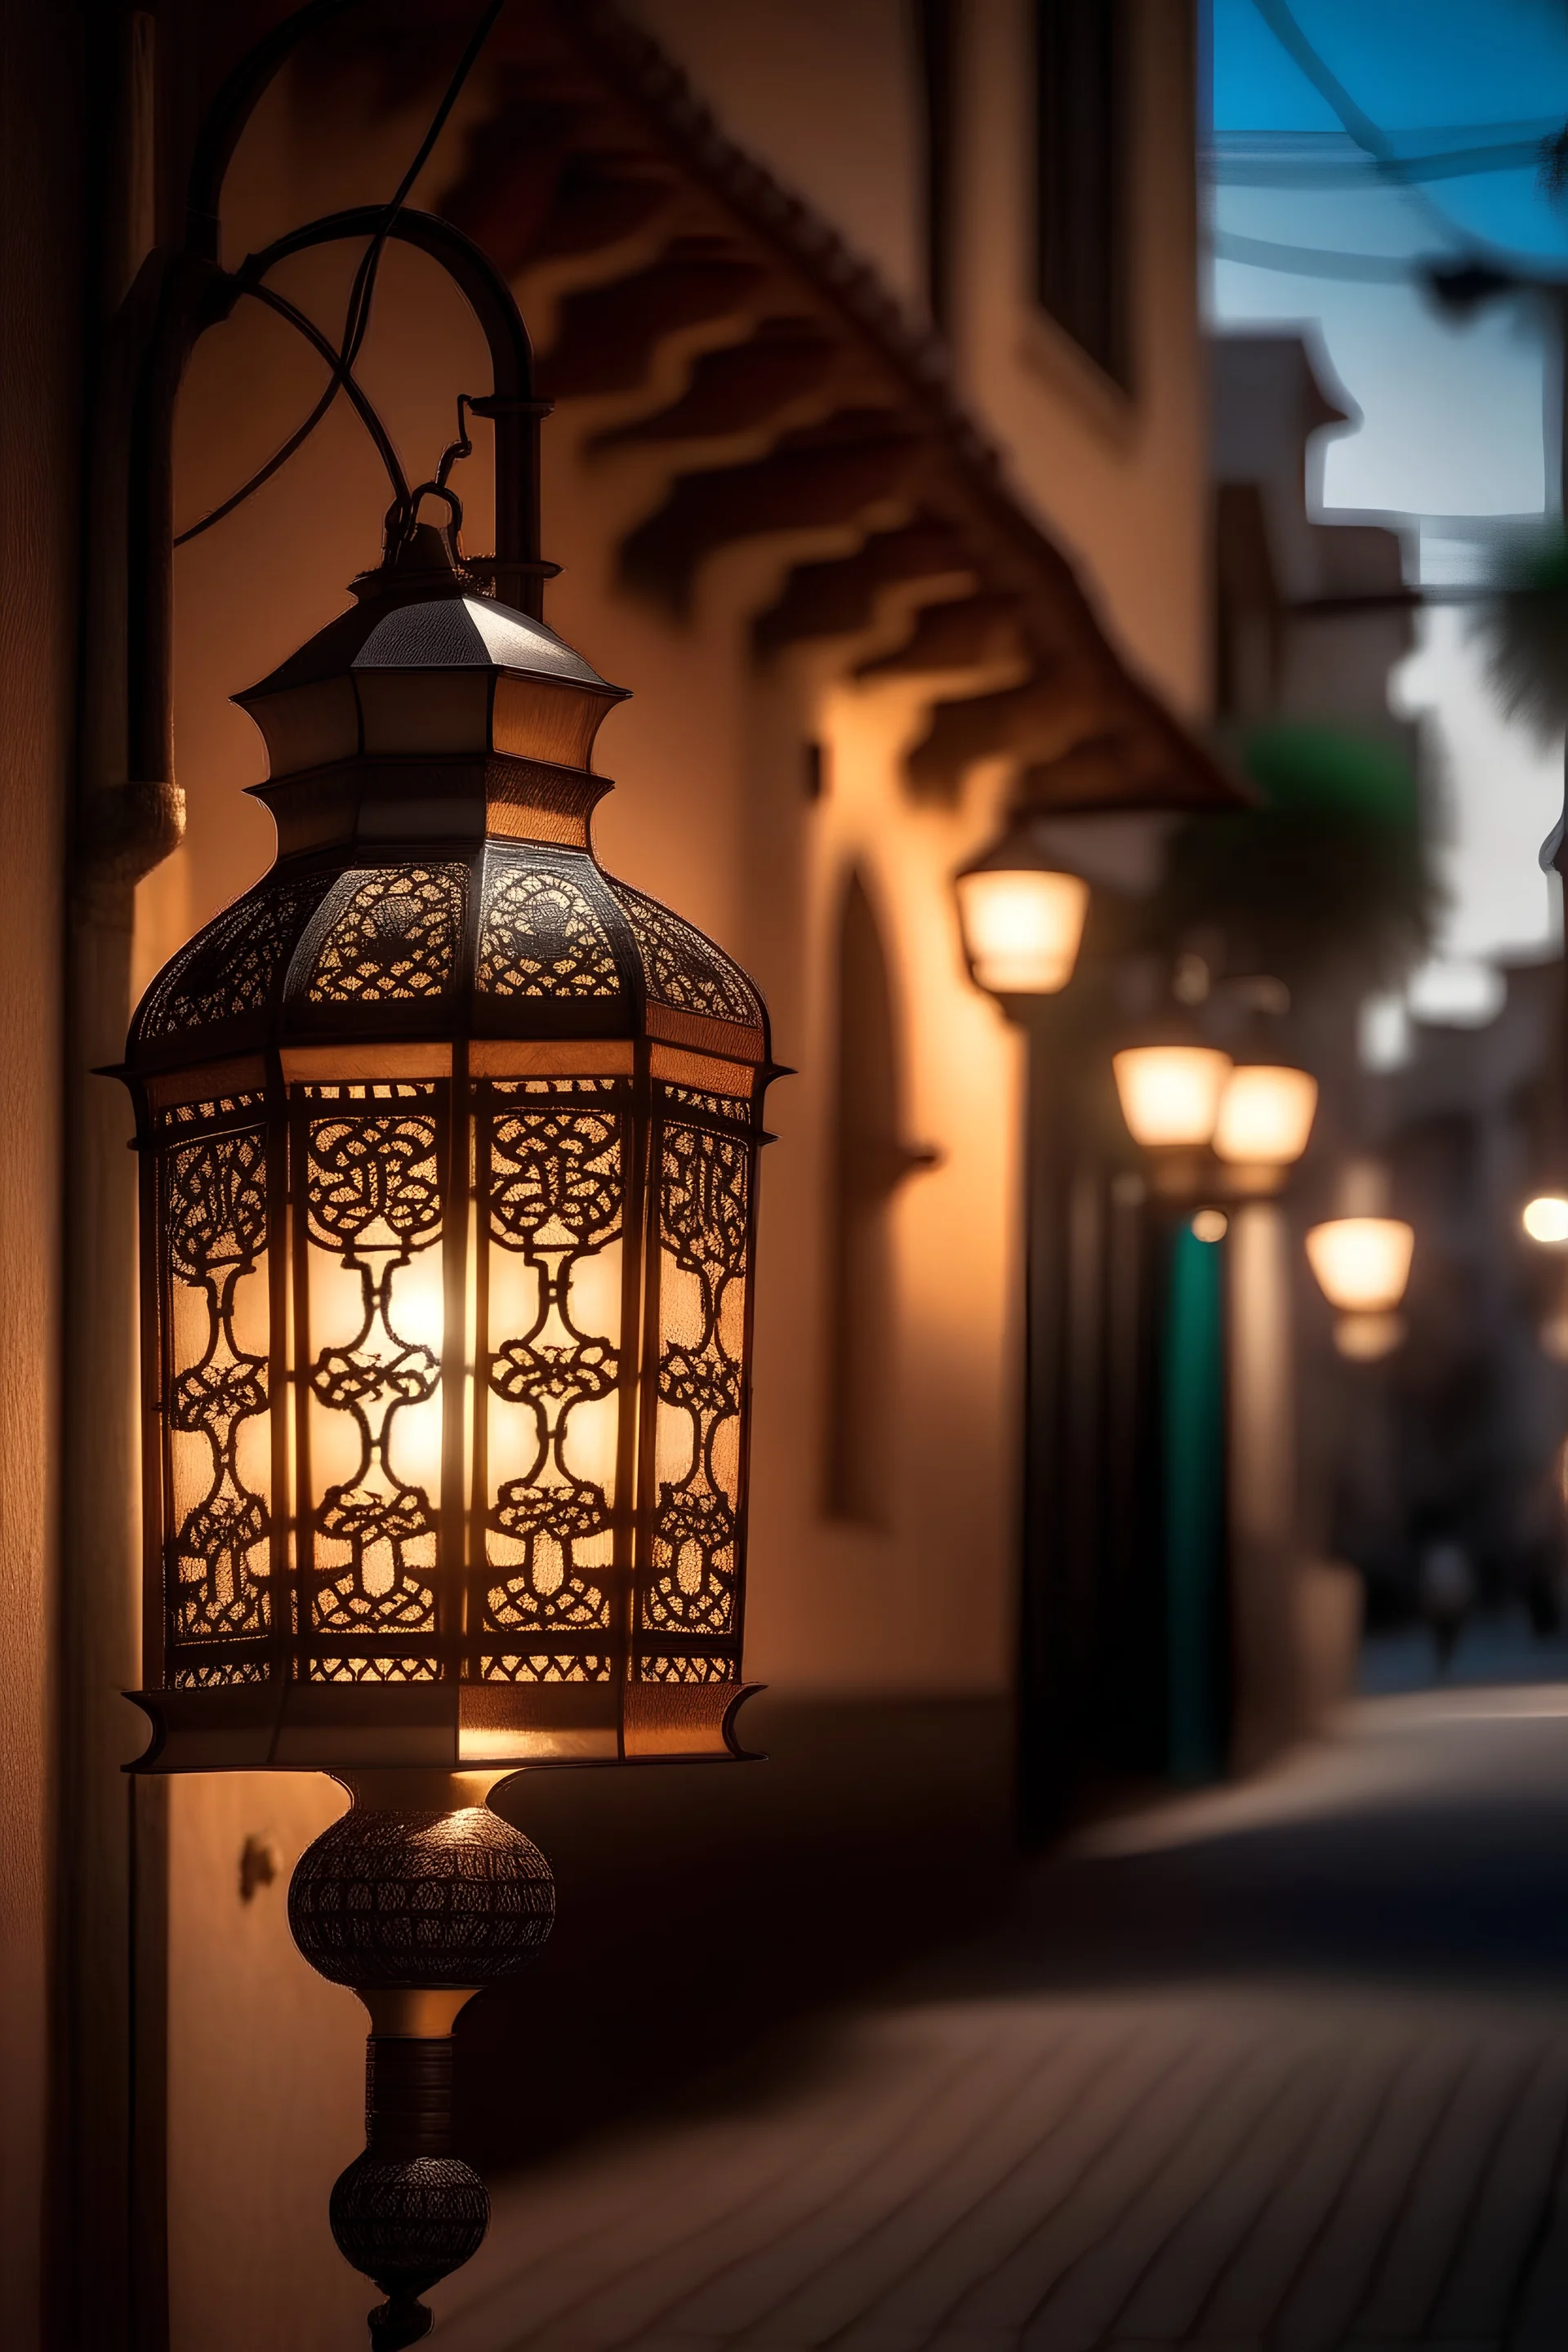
449, 1146
429, 783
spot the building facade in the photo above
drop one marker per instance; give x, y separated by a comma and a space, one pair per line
876, 472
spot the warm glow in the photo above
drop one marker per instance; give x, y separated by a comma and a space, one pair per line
1546, 1219
1367, 1338
1210, 1226
1265, 1116
1363, 1264
1171, 1094
1022, 929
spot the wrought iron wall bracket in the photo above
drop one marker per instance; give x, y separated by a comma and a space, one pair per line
125, 831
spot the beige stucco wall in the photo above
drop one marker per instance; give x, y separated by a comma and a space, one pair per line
823, 92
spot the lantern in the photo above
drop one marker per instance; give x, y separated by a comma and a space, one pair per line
448, 1145
1545, 1219
1265, 1118
1022, 917
1363, 1264
1170, 1095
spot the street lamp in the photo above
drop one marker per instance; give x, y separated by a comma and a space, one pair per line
1171, 1095
1545, 1219
1264, 1120
1363, 1264
1021, 916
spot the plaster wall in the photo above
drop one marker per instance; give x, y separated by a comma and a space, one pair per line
825, 93
41, 240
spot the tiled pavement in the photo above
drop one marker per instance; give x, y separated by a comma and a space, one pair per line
1329, 2110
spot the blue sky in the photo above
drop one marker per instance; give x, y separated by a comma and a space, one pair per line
1306, 184
1452, 415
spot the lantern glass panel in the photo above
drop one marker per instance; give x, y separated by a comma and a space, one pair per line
369, 1344
690, 1596
552, 1156
217, 1379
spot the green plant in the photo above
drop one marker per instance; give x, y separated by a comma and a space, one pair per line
1329, 870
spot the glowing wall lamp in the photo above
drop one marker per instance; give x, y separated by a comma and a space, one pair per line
1021, 918
1264, 1121
1545, 1219
1361, 1266
1171, 1095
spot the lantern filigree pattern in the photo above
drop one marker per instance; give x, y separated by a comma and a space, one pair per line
542, 938
371, 1167
704, 1227
389, 936
215, 1224
450, 1160
555, 1193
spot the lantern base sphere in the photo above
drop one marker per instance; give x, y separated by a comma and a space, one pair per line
406, 2224
392, 1896
415, 1907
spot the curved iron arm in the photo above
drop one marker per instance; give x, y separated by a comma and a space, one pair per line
229, 112
194, 293
511, 405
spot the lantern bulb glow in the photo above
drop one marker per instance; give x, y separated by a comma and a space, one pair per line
1266, 1116
1367, 1338
1170, 1095
1021, 927
1546, 1218
1361, 1264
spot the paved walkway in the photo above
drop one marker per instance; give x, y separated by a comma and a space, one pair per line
1282, 2067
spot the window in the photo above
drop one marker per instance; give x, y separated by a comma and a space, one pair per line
934, 44
1081, 155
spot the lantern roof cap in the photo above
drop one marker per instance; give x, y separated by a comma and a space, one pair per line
421, 612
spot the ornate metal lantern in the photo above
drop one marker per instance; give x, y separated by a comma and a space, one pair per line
449, 1150
451, 1144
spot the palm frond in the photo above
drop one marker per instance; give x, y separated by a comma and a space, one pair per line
1522, 628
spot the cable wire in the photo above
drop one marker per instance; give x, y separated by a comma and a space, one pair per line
362, 294
1368, 135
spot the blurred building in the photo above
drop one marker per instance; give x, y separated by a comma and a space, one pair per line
878, 471
1309, 623
1454, 1440
1462, 1444
1312, 618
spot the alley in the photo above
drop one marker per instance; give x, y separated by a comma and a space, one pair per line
1282, 2065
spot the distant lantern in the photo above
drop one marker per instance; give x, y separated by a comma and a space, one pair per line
1022, 917
1171, 1095
449, 1147
1545, 1219
1363, 1265
1265, 1118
